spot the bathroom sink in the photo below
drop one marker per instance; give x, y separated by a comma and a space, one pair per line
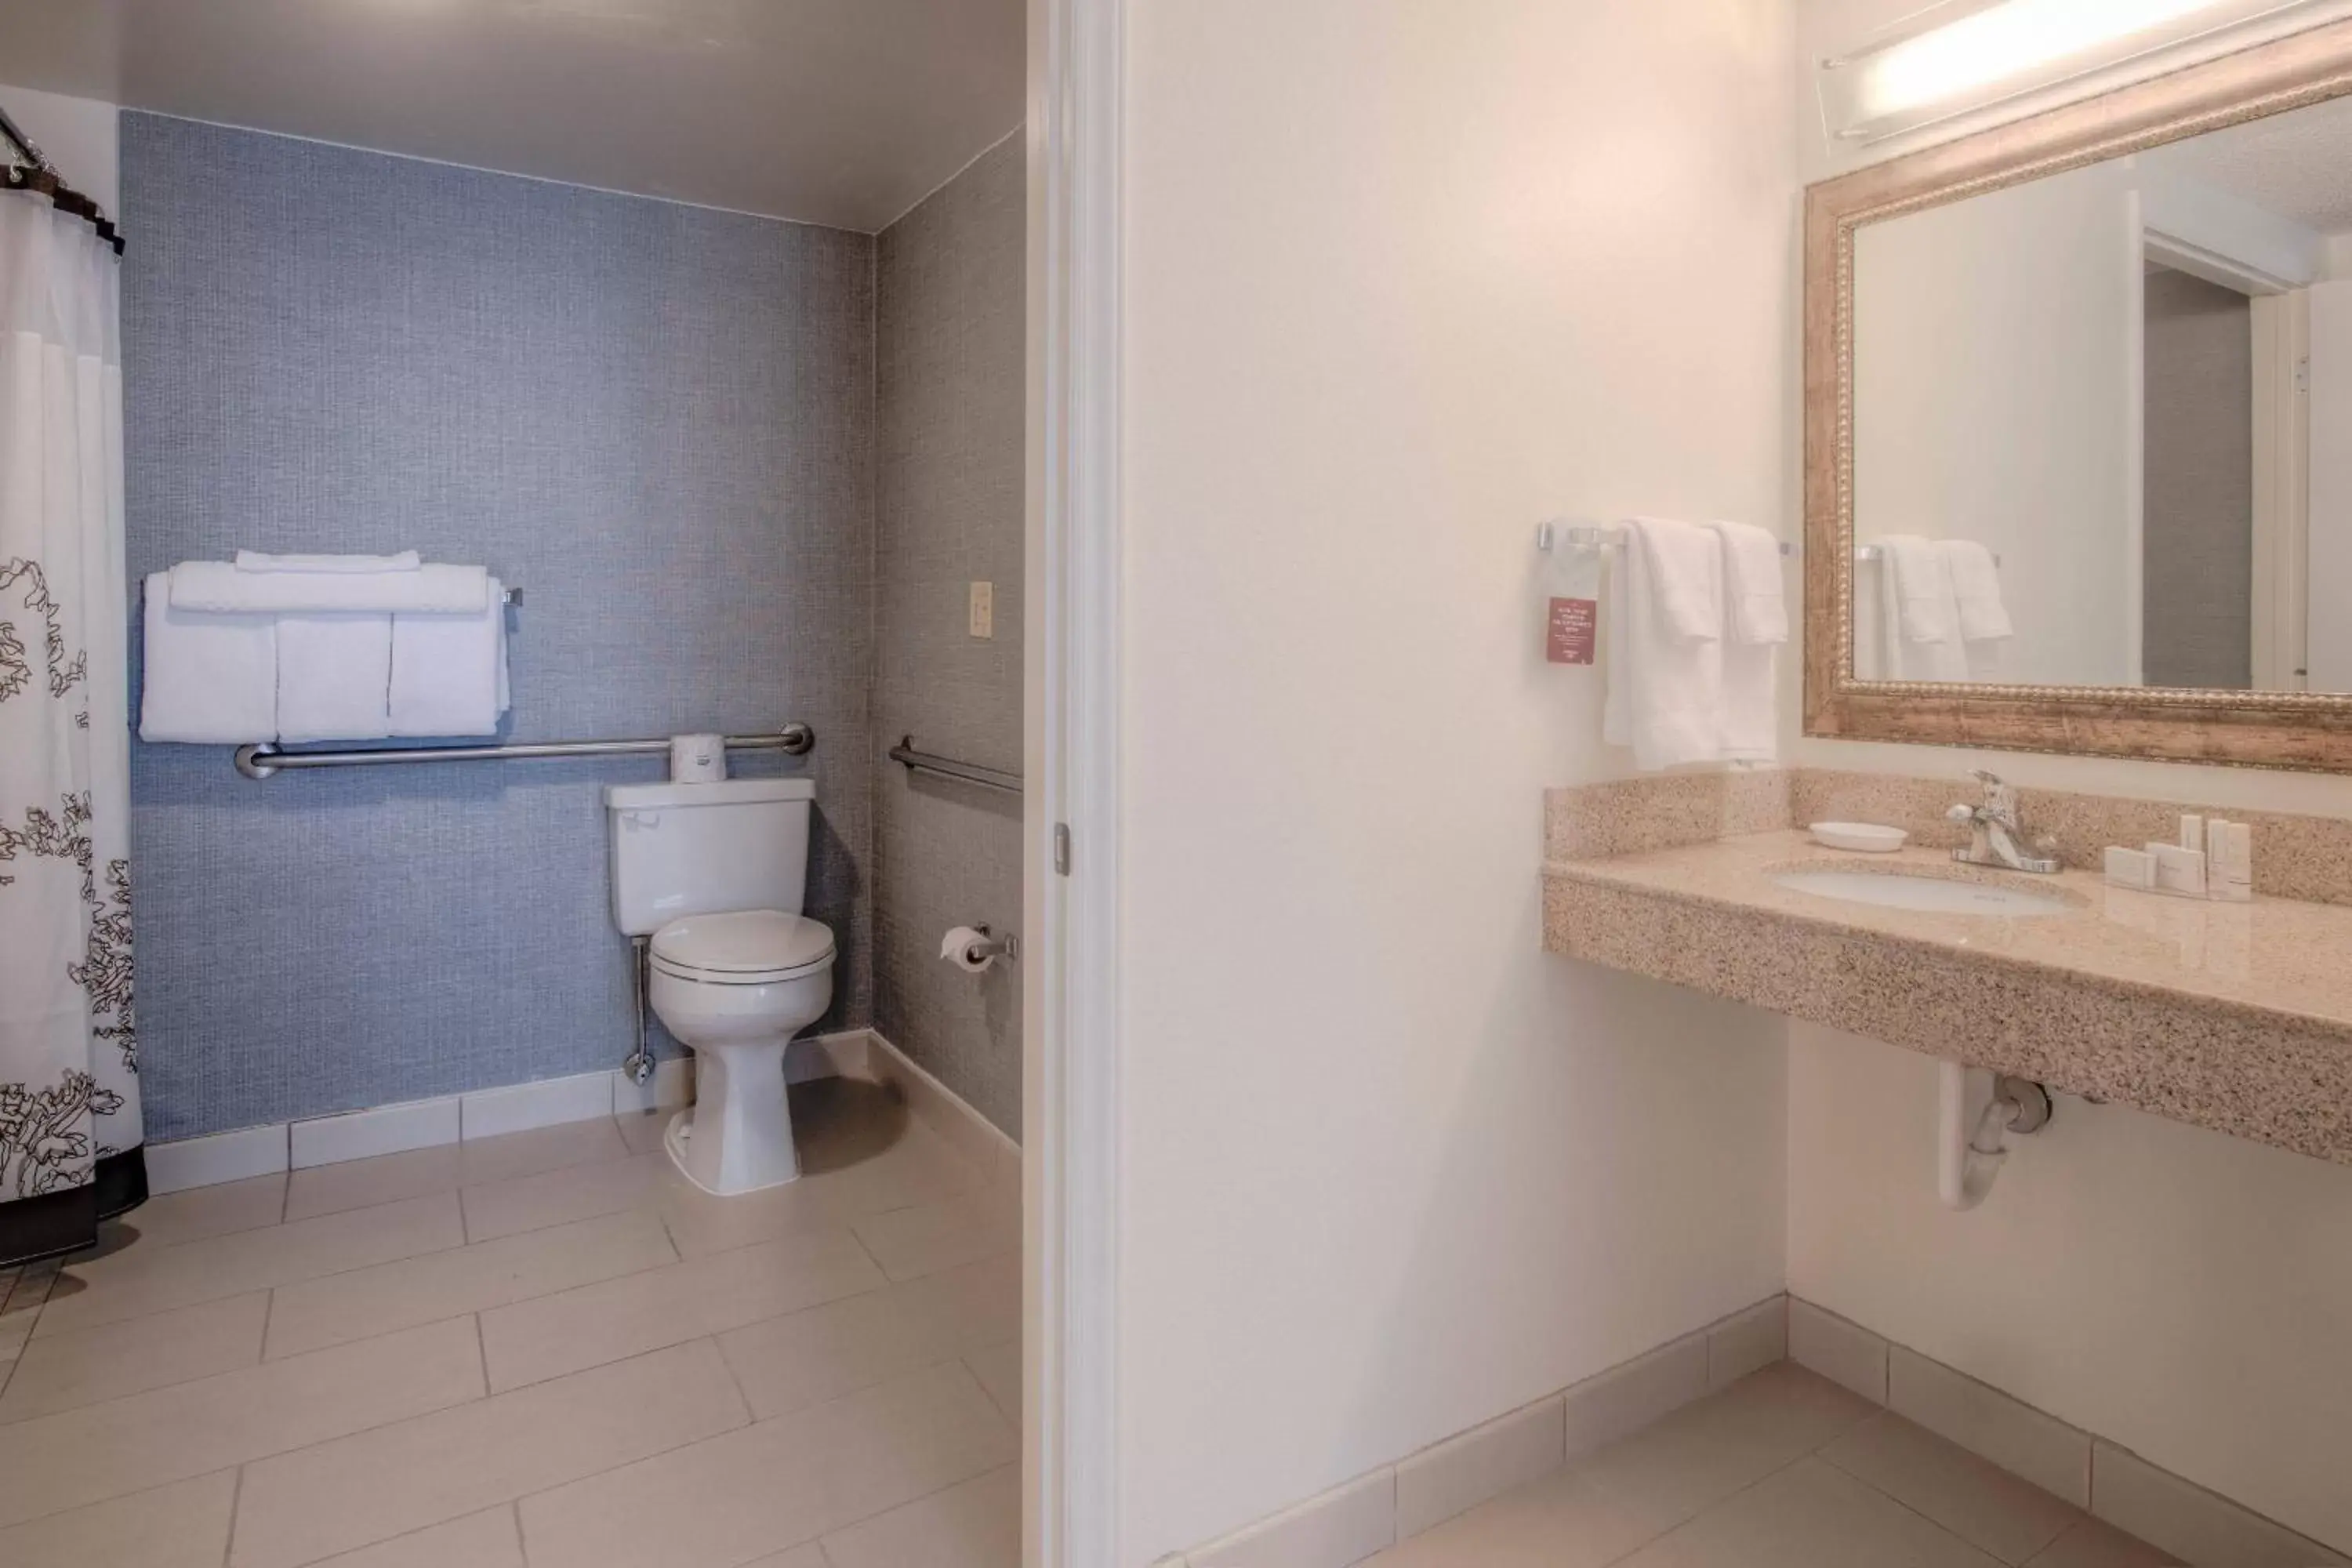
1932, 894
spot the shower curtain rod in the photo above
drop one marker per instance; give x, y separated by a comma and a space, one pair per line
33, 172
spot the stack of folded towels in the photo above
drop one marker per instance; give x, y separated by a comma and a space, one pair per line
322, 648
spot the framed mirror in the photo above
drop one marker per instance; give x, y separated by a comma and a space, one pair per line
2078, 426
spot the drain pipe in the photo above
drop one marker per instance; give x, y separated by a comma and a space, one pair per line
1976, 1113
640, 1065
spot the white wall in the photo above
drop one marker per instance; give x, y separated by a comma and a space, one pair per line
78, 135
1403, 280
2183, 1293
2011, 323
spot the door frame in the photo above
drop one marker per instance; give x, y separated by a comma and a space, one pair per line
1070, 980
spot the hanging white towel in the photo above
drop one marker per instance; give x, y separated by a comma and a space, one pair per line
1665, 681
219, 587
334, 677
210, 681
448, 672
1686, 569
1975, 585
1919, 618
1755, 583
255, 560
1756, 624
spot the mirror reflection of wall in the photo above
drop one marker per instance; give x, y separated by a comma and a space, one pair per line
2197, 546
2119, 380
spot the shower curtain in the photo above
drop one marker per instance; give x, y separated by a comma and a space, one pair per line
69, 1123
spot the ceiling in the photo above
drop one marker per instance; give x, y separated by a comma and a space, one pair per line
844, 113
2297, 164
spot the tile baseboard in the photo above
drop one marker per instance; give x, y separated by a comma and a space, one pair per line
385, 1129
1392, 1504
1846, 1354
670, 1089
2170, 1512
278, 1147
973, 1135
223, 1157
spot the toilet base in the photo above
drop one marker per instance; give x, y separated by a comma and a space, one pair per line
746, 1127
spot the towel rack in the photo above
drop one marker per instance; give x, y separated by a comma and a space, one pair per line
1583, 536
914, 761
1868, 554
263, 762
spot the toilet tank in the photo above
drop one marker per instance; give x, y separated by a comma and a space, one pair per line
711, 848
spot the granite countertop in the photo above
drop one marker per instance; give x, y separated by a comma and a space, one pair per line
2234, 1017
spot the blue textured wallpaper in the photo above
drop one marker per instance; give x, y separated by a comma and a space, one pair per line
657, 420
949, 463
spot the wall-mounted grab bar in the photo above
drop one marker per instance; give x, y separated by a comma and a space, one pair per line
914, 761
262, 762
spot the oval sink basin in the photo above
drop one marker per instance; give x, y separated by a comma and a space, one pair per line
1931, 894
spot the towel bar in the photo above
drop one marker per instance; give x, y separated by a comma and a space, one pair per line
263, 762
1868, 554
1550, 535
914, 761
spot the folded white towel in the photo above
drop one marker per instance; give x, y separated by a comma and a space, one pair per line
448, 672
219, 587
255, 560
1666, 695
334, 677
1756, 622
1926, 604
1685, 575
1976, 583
1923, 588
211, 680
1755, 584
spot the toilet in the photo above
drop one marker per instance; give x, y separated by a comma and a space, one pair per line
715, 874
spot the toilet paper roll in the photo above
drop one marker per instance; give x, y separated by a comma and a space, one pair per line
697, 759
962, 947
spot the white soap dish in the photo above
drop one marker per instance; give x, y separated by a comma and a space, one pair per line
1860, 836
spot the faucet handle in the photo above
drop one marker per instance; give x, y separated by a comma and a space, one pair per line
1986, 777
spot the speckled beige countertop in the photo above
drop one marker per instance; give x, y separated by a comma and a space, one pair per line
2236, 1017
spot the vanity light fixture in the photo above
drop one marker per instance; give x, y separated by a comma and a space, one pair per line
1968, 55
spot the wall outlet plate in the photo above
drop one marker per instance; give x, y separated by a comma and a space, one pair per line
984, 609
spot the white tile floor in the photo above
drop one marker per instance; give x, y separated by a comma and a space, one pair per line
1783, 1469
543, 1349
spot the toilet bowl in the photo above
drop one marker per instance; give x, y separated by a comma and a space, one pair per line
735, 988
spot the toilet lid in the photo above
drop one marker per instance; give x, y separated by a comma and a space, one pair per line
751, 942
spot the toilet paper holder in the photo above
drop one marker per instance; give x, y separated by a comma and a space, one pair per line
989, 948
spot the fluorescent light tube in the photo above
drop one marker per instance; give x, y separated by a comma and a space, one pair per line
1998, 51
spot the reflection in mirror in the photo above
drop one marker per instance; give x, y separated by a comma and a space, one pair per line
2100, 422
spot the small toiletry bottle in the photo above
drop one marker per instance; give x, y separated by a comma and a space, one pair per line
2132, 868
2181, 872
2192, 832
2237, 863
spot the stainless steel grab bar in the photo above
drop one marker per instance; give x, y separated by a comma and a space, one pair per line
913, 761
261, 762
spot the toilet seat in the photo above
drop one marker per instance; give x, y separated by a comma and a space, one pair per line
749, 947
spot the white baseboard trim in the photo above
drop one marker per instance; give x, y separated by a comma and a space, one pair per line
2170, 1512
224, 1157
1392, 1504
281, 1146
970, 1134
670, 1089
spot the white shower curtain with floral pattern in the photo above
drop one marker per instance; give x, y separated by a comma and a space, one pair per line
69, 1121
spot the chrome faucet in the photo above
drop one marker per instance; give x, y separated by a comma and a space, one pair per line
1997, 834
